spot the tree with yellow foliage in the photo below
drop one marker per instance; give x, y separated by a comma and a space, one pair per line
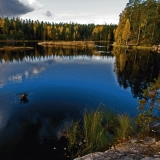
126, 32
1, 24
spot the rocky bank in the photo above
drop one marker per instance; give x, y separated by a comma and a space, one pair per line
135, 149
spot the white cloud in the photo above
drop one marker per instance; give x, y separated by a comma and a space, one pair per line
90, 11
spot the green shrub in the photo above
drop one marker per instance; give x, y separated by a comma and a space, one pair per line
149, 106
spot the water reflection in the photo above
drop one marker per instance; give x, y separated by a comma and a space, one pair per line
135, 69
60, 83
40, 53
16, 72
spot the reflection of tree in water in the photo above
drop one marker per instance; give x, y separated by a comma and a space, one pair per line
136, 69
36, 140
41, 52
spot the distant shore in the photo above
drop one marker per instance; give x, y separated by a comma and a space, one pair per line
89, 44
12, 48
149, 47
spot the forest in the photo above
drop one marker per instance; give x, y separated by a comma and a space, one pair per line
18, 29
139, 23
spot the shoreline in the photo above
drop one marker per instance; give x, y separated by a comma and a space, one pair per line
133, 46
154, 48
80, 44
12, 48
89, 44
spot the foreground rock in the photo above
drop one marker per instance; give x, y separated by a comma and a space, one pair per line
135, 149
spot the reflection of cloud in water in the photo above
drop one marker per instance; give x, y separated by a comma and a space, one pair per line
30, 69
97, 58
16, 78
26, 73
8, 73
35, 71
63, 59
83, 59
38, 70
1, 83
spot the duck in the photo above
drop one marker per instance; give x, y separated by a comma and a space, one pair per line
23, 96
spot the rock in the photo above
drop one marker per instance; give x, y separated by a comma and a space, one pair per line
136, 140
149, 140
110, 156
129, 150
158, 143
156, 128
147, 158
150, 158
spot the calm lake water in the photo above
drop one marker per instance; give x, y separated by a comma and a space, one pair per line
61, 83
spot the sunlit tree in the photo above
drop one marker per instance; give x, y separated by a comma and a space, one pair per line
126, 32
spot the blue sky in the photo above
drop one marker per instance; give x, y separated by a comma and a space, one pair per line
82, 11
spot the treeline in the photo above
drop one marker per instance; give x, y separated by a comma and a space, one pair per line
18, 29
139, 23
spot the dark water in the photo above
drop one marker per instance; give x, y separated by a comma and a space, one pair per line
60, 84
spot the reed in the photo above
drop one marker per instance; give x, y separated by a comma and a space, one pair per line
12, 48
95, 134
97, 131
88, 135
89, 44
72, 134
124, 127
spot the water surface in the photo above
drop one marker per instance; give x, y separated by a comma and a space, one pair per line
60, 84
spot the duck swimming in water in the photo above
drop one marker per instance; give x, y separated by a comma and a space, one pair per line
23, 97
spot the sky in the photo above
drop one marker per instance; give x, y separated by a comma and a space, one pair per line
77, 11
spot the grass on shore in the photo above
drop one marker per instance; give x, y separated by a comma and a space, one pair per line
89, 44
98, 130
124, 128
11, 48
101, 128
133, 46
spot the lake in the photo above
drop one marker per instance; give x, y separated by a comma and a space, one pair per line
61, 83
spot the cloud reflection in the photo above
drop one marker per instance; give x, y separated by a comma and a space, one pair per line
26, 73
16, 78
1, 83
16, 73
38, 70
